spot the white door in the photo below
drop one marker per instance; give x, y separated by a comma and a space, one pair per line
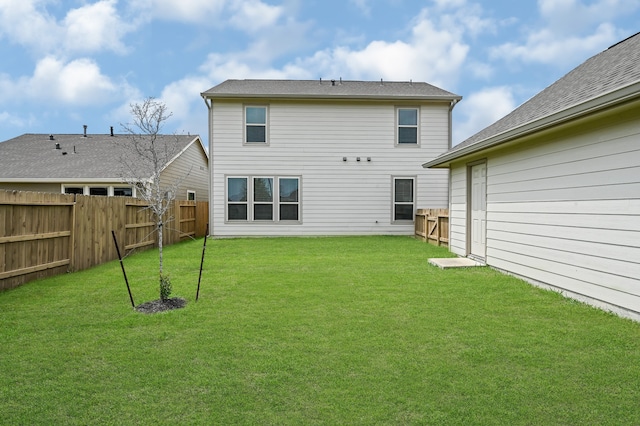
479, 210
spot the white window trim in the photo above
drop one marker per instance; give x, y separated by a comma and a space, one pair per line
397, 126
191, 192
266, 125
250, 201
393, 199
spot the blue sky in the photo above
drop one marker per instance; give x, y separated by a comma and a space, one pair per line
66, 63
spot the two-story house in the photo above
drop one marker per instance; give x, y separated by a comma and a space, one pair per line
325, 157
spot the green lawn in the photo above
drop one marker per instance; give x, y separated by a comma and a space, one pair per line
356, 330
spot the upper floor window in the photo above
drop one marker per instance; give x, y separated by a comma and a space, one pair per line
407, 132
255, 119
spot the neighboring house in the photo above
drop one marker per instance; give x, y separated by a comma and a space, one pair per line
551, 192
90, 164
324, 157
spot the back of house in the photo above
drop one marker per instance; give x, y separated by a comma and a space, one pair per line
324, 157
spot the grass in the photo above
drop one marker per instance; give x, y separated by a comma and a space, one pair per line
355, 330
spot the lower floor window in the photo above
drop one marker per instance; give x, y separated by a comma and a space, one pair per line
123, 192
263, 198
74, 190
98, 190
118, 191
403, 198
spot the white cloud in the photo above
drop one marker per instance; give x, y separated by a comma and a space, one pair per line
79, 82
95, 27
253, 16
481, 109
90, 28
546, 47
184, 102
184, 11
22, 23
435, 51
571, 31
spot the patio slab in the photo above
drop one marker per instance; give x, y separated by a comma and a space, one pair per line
454, 262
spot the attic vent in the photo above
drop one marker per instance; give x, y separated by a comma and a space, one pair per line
50, 137
57, 145
85, 130
111, 130
333, 82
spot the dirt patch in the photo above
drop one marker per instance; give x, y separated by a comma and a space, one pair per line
159, 305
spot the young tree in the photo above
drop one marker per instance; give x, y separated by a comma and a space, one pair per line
144, 154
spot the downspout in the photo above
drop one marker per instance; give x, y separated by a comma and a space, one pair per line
209, 104
453, 103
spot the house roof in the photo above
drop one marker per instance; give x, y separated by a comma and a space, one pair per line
328, 89
607, 78
34, 157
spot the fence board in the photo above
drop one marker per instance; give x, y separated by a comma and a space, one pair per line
45, 234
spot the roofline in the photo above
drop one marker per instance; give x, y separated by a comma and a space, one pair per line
63, 180
324, 97
606, 100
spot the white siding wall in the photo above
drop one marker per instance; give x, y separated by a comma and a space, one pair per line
309, 140
565, 210
192, 164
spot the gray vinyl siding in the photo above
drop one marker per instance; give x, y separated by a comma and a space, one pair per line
192, 164
564, 209
309, 140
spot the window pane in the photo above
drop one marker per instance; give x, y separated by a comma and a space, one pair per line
407, 135
256, 115
191, 196
408, 117
256, 134
70, 190
237, 211
289, 190
237, 189
263, 211
123, 192
97, 191
403, 212
288, 212
404, 191
263, 189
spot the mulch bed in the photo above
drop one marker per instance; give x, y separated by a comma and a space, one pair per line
159, 305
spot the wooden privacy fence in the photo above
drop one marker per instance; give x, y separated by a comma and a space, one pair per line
432, 225
45, 234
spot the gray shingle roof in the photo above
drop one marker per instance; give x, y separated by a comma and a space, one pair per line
34, 156
331, 89
614, 68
